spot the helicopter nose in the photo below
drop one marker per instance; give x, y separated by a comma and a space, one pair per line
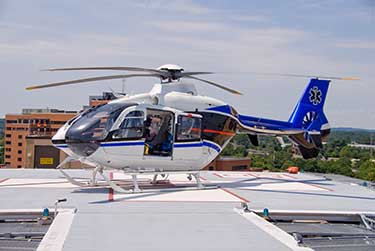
83, 149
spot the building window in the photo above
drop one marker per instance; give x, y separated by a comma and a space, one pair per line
7, 163
58, 122
19, 151
19, 166
7, 142
239, 168
19, 144
7, 156
8, 128
19, 136
19, 159
8, 135
11, 121
7, 149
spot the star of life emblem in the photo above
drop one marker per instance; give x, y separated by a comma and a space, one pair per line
315, 95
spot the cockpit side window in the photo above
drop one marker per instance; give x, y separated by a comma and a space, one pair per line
95, 124
188, 129
131, 127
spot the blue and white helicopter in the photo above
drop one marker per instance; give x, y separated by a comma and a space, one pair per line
173, 129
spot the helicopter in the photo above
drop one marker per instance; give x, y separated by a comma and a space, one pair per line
173, 129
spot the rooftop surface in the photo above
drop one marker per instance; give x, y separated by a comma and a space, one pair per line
175, 219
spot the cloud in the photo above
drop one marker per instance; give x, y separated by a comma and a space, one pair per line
184, 6
356, 44
85, 45
249, 18
187, 26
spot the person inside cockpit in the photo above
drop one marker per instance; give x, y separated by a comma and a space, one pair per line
158, 135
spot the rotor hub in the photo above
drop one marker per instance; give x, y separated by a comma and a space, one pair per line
172, 72
170, 67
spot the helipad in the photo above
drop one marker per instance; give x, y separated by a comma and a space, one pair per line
172, 215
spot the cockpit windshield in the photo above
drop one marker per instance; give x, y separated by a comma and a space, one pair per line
95, 124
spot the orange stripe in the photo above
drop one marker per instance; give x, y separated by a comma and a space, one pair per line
110, 192
235, 195
219, 132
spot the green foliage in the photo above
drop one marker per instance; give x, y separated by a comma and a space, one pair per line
264, 162
235, 150
351, 135
240, 151
366, 170
242, 139
228, 150
269, 154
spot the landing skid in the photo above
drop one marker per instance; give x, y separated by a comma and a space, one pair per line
136, 188
93, 181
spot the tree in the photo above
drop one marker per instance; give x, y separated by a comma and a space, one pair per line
228, 150
366, 171
341, 166
261, 161
242, 139
240, 151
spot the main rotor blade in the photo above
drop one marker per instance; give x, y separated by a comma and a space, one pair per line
190, 73
83, 80
106, 68
306, 76
215, 84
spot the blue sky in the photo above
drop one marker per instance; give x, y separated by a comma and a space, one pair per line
233, 38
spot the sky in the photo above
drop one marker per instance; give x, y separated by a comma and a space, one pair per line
234, 38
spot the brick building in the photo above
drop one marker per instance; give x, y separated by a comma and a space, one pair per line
28, 135
103, 99
229, 164
31, 124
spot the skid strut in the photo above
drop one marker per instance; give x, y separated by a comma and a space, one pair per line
154, 179
136, 189
113, 185
93, 180
135, 184
198, 180
67, 176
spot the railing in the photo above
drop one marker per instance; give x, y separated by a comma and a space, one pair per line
40, 131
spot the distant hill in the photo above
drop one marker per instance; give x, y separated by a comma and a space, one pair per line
350, 129
349, 135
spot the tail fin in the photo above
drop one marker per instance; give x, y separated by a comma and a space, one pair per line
309, 115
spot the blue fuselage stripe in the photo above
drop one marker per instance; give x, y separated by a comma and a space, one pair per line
111, 144
211, 145
141, 143
61, 146
188, 145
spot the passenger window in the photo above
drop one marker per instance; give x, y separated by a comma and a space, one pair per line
188, 128
131, 127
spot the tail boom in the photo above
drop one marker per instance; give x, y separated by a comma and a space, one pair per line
307, 126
